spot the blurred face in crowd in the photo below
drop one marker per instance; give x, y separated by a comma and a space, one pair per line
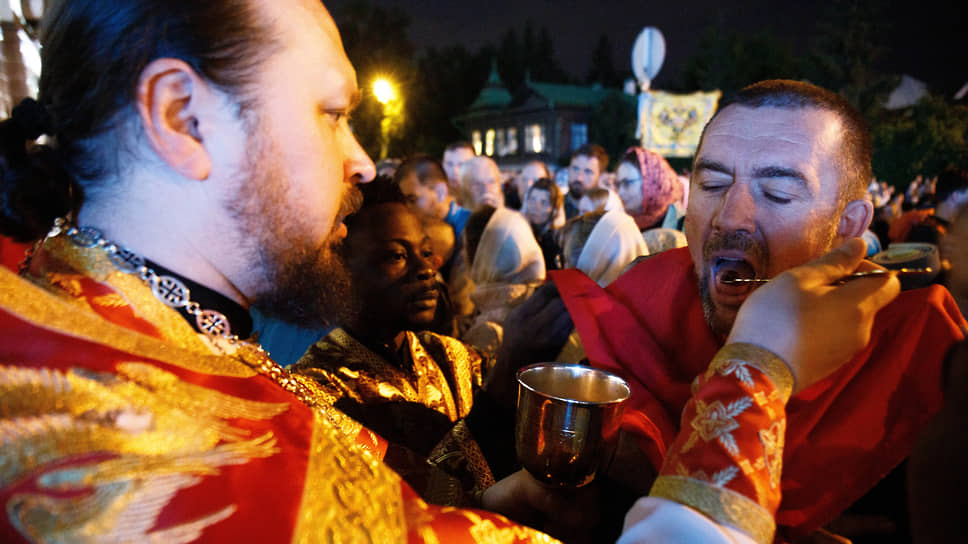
453, 160
302, 161
583, 174
391, 259
538, 207
765, 197
628, 183
529, 174
482, 182
430, 199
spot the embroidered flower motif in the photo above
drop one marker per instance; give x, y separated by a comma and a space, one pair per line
737, 368
772, 441
716, 422
720, 478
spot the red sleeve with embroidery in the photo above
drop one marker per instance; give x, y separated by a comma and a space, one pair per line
726, 461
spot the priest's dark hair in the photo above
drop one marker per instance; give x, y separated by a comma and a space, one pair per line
93, 54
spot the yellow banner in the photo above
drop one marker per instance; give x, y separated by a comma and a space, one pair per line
671, 124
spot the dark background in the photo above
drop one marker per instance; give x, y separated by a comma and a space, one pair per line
439, 54
928, 38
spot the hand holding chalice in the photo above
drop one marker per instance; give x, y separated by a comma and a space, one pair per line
568, 421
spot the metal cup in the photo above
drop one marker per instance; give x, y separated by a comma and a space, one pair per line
567, 421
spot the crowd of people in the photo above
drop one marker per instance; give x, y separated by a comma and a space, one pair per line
221, 321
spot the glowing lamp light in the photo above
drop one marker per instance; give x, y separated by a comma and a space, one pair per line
384, 91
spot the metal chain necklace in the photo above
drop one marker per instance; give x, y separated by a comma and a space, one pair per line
175, 294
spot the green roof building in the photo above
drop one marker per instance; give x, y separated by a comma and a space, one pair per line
543, 121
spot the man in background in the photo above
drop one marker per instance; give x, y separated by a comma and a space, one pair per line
584, 172
455, 155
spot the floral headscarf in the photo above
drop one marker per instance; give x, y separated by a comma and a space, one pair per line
660, 186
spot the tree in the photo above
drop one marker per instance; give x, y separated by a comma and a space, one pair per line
612, 124
448, 81
438, 86
376, 42
603, 69
729, 61
923, 139
850, 42
543, 62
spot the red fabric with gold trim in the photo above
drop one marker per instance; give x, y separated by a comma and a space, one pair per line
736, 424
430, 524
281, 475
847, 431
245, 485
12, 253
105, 301
372, 442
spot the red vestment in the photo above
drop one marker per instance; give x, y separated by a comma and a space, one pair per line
118, 422
844, 433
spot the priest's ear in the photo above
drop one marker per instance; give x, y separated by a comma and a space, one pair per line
855, 219
175, 105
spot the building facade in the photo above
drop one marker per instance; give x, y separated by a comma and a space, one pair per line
543, 121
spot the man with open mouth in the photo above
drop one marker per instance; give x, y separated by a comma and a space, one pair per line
778, 180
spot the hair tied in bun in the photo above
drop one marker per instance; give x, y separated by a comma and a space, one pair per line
31, 118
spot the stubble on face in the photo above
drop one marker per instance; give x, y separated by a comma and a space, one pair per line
304, 282
721, 320
757, 252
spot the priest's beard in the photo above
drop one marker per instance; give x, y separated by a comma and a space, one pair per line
301, 281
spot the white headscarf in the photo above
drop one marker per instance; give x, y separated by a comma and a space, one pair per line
507, 252
507, 267
613, 244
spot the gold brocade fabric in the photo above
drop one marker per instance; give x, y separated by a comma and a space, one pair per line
443, 373
62, 267
107, 425
728, 458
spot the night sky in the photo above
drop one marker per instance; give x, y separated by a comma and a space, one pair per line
927, 44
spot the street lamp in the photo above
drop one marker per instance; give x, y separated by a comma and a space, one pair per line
384, 91
386, 94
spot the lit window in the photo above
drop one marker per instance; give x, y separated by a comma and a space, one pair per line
476, 139
535, 136
501, 149
489, 142
512, 141
579, 135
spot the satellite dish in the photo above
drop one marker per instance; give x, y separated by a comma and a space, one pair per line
647, 55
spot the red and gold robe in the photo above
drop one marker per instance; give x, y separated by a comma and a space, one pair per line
118, 422
843, 434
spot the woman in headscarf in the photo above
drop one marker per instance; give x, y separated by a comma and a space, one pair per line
506, 266
544, 209
602, 245
652, 194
